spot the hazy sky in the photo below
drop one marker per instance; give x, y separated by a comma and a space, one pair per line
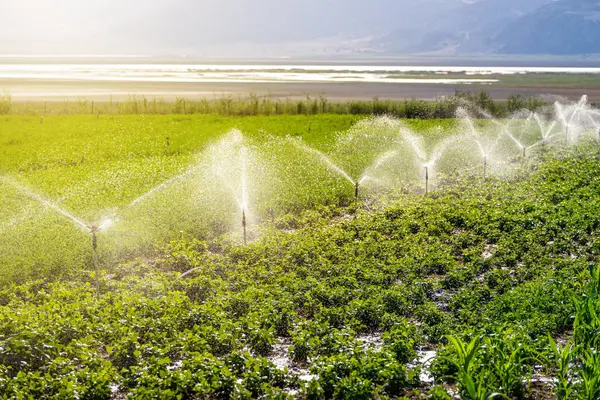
151, 26
205, 27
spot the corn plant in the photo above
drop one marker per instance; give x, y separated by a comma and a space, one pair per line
507, 362
587, 332
590, 374
587, 319
563, 359
467, 354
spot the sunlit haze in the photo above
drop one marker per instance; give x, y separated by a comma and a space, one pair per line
164, 26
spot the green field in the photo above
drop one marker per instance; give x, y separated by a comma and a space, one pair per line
95, 168
463, 291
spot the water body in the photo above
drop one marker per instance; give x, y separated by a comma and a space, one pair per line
100, 80
266, 73
174, 73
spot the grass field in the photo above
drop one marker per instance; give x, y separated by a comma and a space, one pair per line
466, 290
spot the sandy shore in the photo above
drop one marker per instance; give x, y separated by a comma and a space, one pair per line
61, 90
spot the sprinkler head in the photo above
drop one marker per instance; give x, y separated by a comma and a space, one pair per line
356, 185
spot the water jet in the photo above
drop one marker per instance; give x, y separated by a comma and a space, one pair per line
162, 186
35, 196
231, 161
379, 161
485, 145
428, 160
567, 116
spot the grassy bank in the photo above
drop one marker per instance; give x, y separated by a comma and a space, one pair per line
265, 105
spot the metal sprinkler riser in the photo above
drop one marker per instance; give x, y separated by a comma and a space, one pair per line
426, 179
94, 231
484, 168
244, 226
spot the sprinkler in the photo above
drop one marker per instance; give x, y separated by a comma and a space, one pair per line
426, 178
244, 226
94, 230
356, 185
524, 152
484, 167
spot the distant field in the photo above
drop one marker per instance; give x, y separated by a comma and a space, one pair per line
550, 80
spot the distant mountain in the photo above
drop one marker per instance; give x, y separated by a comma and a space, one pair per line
563, 27
560, 27
467, 27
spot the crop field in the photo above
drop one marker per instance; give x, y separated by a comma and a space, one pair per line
300, 256
160, 175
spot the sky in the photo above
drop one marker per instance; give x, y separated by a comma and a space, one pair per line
163, 26
245, 27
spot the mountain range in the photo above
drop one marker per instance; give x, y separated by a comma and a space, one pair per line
562, 27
